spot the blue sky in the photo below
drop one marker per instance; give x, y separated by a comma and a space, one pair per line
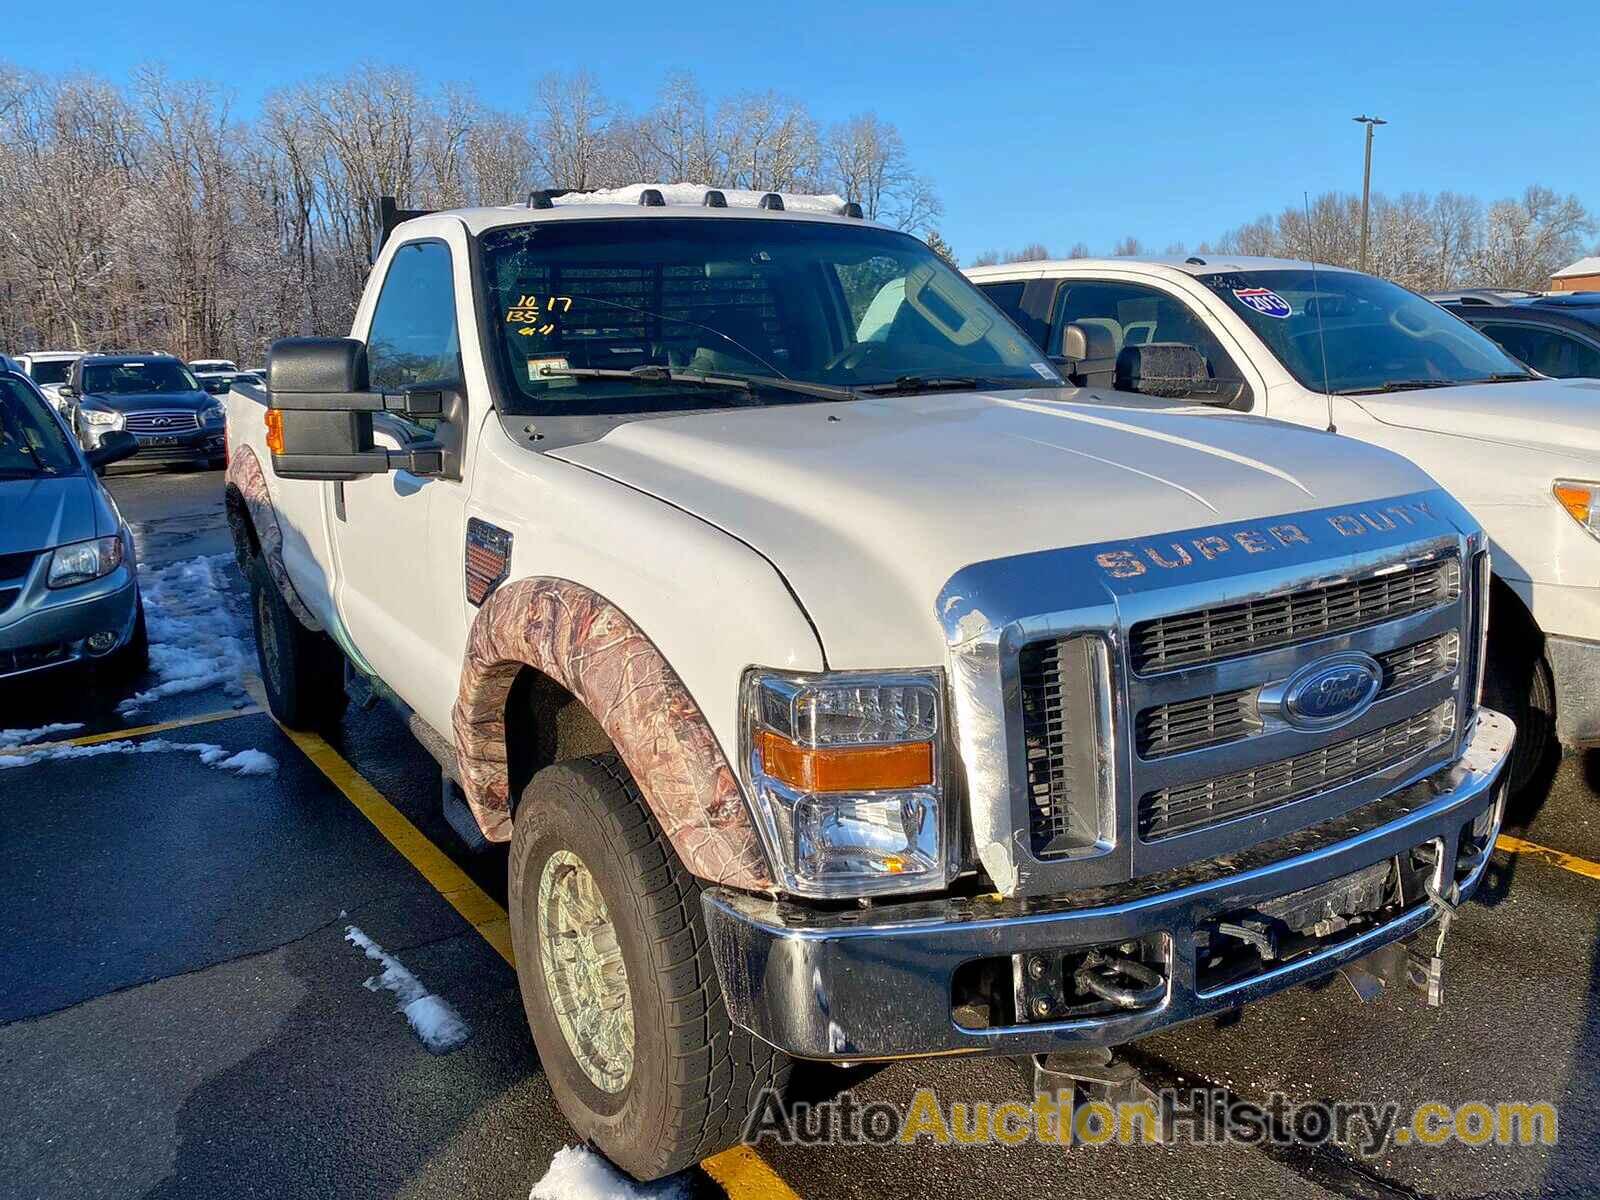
1061, 123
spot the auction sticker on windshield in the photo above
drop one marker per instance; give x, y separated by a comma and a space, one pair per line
1264, 300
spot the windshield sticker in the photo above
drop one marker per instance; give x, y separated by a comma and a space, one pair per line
1265, 301
1045, 371
538, 366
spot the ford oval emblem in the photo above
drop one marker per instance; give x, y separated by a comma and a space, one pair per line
1328, 692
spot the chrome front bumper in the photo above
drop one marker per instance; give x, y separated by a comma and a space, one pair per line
1575, 668
877, 983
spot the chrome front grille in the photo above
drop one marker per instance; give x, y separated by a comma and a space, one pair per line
1210, 635
1181, 809
155, 423
1215, 720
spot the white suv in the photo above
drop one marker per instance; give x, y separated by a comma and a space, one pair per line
1326, 348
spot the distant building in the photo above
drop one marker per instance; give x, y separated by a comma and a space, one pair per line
1581, 276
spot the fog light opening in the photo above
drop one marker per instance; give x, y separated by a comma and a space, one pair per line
102, 643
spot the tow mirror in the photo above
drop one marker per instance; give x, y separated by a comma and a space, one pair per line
320, 408
1174, 371
115, 445
1080, 343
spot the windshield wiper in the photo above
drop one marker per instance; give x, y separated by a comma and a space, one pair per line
1398, 385
1506, 377
923, 383
652, 373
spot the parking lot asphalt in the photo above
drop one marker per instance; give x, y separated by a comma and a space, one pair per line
183, 1014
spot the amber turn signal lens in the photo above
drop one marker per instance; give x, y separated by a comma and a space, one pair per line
1576, 500
274, 431
847, 769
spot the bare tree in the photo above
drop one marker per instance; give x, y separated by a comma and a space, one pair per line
1127, 247
574, 119
865, 160
768, 143
1526, 241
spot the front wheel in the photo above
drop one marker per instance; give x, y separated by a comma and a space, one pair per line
617, 977
1517, 682
302, 671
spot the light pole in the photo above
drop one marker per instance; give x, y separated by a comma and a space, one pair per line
1366, 180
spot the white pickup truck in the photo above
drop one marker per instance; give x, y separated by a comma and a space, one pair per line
845, 690
1326, 347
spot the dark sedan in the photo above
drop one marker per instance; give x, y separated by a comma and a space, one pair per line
69, 590
154, 397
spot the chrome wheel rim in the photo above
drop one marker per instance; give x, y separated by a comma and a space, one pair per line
584, 974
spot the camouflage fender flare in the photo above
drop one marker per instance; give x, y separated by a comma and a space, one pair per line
590, 647
245, 474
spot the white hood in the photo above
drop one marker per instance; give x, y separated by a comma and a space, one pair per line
1562, 415
868, 508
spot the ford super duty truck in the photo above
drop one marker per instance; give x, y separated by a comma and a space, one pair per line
1327, 347
846, 689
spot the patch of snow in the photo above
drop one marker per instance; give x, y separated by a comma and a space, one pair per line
196, 642
579, 1174
243, 762
10, 739
695, 193
438, 1026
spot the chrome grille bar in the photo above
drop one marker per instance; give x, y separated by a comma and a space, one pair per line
161, 421
1181, 809
1215, 720
1227, 631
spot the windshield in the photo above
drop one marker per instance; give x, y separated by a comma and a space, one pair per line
212, 364
1378, 336
31, 441
812, 302
50, 372
135, 377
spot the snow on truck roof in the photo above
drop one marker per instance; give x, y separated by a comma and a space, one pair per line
1198, 264
677, 200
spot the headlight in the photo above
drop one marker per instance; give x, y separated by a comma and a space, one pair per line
1582, 502
95, 416
83, 561
214, 414
847, 775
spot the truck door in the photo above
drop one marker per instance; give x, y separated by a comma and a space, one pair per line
390, 529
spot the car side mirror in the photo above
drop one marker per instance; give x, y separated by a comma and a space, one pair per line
320, 408
67, 391
1174, 371
115, 445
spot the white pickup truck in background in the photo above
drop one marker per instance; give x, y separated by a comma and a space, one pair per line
1327, 347
844, 688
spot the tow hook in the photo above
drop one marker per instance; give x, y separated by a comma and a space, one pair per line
1120, 981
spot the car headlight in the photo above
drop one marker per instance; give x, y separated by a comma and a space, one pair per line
1582, 502
847, 775
214, 414
83, 561
106, 420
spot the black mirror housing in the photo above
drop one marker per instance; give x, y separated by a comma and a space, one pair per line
1175, 371
318, 386
115, 445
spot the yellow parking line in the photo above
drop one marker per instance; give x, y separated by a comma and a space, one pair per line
1556, 858
741, 1172
117, 735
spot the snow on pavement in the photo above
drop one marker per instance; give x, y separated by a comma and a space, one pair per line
10, 739
242, 762
438, 1026
579, 1174
196, 641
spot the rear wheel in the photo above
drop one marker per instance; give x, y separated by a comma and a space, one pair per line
302, 671
617, 977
